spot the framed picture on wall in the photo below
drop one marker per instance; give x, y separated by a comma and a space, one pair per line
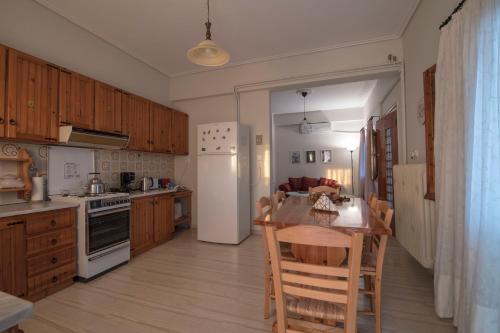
295, 157
310, 156
326, 156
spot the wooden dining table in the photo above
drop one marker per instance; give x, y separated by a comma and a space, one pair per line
354, 216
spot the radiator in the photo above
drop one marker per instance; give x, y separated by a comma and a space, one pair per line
414, 216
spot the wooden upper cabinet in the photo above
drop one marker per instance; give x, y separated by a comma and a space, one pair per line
76, 100
135, 114
180, 133
108, 108
161, 129
32, 96
3, 73
12, 257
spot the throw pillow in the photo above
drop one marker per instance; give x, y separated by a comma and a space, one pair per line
295, 183
309, 182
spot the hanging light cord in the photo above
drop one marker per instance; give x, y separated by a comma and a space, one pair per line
208, 24
305, 108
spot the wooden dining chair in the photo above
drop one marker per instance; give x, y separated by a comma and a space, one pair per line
279, 199
308, 296
373, 201
371, 270
264, 207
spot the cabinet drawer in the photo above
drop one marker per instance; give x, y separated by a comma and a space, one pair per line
38, 223
51, 278
49, 261
49, 241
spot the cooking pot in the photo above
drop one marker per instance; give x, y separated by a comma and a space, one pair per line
95, 185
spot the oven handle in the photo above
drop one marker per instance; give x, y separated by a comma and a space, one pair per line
107, 212
109, 252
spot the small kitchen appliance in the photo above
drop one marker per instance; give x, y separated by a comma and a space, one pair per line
95, 185
126, 181
146, 184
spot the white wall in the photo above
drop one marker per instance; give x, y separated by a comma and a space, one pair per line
420, 46
29, 27
288, 138
200, 111
223, 81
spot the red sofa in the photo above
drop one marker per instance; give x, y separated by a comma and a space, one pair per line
303, 184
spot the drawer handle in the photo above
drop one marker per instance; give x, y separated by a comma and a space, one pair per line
53, 241
53, 223
12, 122
54, 279
54, 260
2, 121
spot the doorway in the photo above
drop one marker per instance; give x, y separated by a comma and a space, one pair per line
387, 154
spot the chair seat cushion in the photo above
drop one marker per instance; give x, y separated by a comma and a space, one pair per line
314, 308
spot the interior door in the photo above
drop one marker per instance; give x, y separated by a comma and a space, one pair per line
387, 155
108, 108
3, 72
76, 100
136, 114
32, 91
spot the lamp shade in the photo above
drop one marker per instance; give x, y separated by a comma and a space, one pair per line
207, 53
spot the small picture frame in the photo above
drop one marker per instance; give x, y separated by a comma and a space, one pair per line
295, 157
326, 156
310, 156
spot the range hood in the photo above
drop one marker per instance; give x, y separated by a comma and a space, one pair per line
79, 137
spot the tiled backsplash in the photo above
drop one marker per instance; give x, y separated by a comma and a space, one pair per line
108, 162
111, 162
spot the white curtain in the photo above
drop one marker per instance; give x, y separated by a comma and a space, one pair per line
368, 160
362, 164
467, 149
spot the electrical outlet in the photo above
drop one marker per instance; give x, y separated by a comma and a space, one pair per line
259, 139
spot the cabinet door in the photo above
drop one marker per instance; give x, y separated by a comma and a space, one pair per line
136, 113
164, 217
142, 236
180, 133
32, 89
12, 258
3, 72
161, 128
76, 100
108, 108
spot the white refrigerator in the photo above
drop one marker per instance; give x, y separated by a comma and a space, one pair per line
223, 193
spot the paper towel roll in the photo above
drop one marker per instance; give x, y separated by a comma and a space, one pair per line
38, 189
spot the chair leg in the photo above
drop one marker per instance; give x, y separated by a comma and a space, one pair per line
378, 305
267, 296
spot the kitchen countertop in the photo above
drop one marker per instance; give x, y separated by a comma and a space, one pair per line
33, 207
13, 310
139, 194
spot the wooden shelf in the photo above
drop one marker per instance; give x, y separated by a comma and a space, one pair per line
24, 161
181, 220
13, 189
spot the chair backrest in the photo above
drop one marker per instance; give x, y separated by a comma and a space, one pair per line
279, 199
264, 206
385, 212
324, 283
370, 197
373, 202
324, 189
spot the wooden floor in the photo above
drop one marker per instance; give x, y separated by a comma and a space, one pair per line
190, 286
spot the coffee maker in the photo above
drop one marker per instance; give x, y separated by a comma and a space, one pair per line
126, 181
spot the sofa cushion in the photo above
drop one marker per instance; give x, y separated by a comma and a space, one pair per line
295, 183
327, 182
309, 182
285, 187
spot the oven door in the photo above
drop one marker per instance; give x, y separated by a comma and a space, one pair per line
108, 228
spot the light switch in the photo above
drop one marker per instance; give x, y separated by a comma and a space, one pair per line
259, 139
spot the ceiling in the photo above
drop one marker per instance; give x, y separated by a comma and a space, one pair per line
330, 97
159, 32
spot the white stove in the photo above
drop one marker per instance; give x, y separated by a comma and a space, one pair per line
103, 227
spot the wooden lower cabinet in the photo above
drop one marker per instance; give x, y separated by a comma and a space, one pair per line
152, 222
164, 221
12, 257
38, 253
142, 235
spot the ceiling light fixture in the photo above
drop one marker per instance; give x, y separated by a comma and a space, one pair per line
304, 127
207, 53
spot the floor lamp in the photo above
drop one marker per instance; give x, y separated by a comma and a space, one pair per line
351, 150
